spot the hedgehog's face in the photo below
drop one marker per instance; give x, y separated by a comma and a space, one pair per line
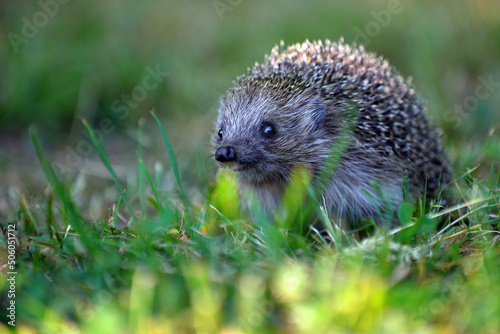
263, 136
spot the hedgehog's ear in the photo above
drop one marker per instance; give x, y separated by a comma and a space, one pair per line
318, 113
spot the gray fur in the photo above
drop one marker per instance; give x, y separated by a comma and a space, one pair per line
304, 91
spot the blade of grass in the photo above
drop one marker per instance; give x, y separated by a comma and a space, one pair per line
462, 217
122, 196
498, 177
491, 177
333, 233
28, 212
175, 168
146, 174
140, 177
332, 162
69, 210
340, 146
105, 160
462, 232
52, 227
459, 206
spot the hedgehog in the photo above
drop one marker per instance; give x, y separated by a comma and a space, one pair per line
292, 110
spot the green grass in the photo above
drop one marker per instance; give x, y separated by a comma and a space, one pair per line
164, 265
168, 249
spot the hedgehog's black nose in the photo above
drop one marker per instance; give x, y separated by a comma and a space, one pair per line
225, 154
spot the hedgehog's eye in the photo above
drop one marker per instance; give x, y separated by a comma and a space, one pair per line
268, 130
220, 133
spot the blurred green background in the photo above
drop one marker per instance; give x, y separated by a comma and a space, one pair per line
64, 60
110, 62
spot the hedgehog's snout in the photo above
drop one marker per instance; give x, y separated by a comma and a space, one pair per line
225, 154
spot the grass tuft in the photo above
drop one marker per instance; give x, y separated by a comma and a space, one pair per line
240, 272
